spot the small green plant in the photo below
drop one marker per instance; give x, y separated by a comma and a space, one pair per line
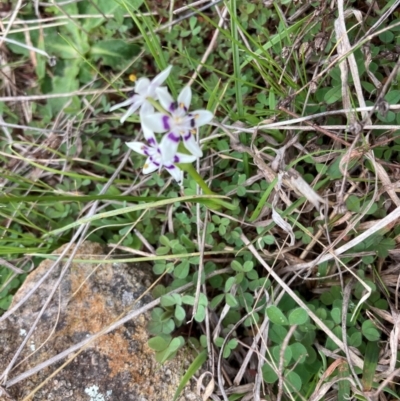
279, 92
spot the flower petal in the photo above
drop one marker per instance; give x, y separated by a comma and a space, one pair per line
185, 97
161, 77
138, 147
132, 109
202, 117
157, 122
182, 158
125, 103
169, 146
150, 166
166, 100
175, 172
191, 145
142, 86
148, 134
147, 108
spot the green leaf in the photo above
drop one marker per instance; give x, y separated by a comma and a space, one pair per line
188, 300
216, 301
168, 327
287, 354
64, 84
229, 283
299, 352
239, 278
203, 300
393, 97
372, 209
171, 350
170, 300
269, 374
159, 268
370, 332
336, 314
163, 250
191, 371
276, 316
231, 300
236, 266
5, 302
241, 191
386, 37
200, 313
248, 266
353, 203
181, 271
41, 61
114, 52
344, 384
333, 95
252, 275
371, 357
159, 343
180, 313
355, 340
268, 239
226, 352
277, 333
321, 168
164, 241
293, 381
298, 316
384, 246
158, 291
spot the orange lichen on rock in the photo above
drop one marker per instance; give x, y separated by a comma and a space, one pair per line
115, 366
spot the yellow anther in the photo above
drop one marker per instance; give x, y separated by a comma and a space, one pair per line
132, 77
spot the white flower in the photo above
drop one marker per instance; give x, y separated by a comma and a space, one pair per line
156, 160
178, 123
144, 89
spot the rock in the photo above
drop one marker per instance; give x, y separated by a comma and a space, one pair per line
118, 366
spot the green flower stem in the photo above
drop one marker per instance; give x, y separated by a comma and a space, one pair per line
156, 105
212, 203
196, 176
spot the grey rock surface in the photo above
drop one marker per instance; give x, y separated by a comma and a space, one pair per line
119, 366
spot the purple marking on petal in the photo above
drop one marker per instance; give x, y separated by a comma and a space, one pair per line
192, 120
183, 107
173, 106
165, 120
159, 151
187, 137
145, 151
151, 141
171, 167
174, 138
176, 159
154, 162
